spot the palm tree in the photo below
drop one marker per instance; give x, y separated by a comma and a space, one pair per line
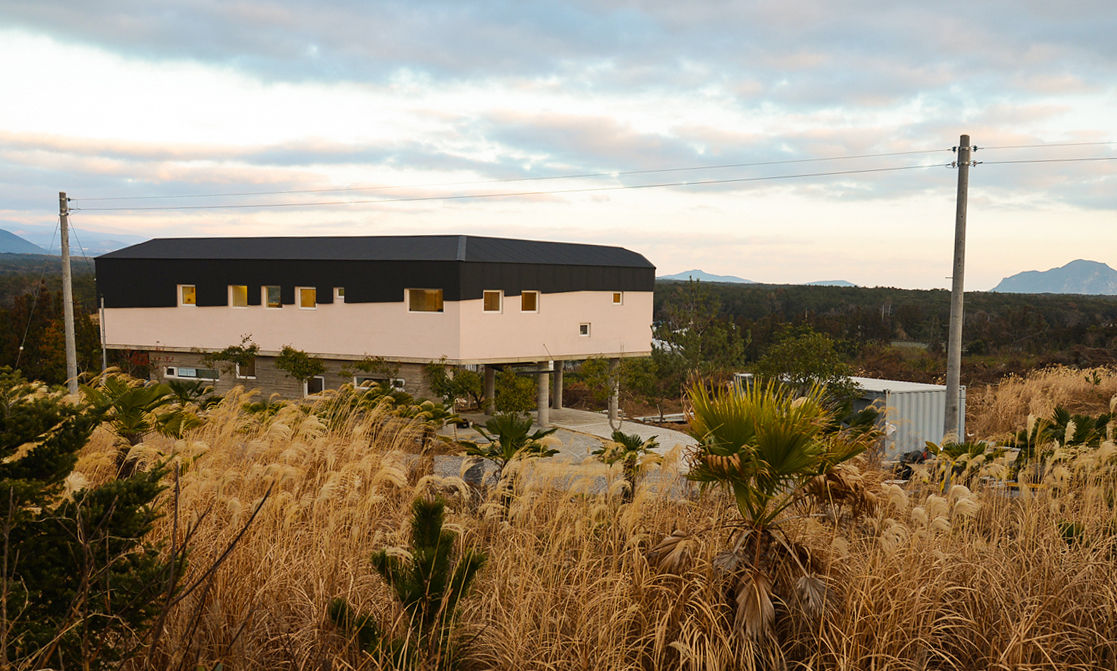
630, 450
510, 437
770, 450
132, 409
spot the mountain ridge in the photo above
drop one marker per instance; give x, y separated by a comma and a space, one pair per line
1077, 277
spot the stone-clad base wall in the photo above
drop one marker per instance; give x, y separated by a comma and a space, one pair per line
270, 380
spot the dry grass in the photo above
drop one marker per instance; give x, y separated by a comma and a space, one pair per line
1002, 408
958, 581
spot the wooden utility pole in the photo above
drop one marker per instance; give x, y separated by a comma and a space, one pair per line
67, 294
954, 343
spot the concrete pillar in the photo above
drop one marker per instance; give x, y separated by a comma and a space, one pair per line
615, 394
542, 398
556, 387
490, 390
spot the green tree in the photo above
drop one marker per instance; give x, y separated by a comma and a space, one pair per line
633, 453
693, 339
80, 582
514, 393
803, 357
459, 383
133, 409
429, 587
234, 356
298, 364
768, 448
510, 437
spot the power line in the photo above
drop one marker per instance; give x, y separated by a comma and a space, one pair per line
1059, 144
524, 179
1052, 160
620, 187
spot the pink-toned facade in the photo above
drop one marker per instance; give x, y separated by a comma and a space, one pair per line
463, 333
481, 302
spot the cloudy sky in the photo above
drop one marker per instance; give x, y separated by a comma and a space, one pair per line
422, 117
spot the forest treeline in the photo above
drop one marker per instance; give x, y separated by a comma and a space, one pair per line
31, 316
902, 332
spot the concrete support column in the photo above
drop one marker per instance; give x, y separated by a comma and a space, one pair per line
615, 394
543, 393
490, 390
556, 387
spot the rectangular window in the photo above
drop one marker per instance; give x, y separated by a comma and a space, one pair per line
247, 370
187, 295
272, 297
367, 382
492, 301
308, 297
315, 385
238, 295
424, 300
584, 329
529, 301
618, 298
339, 294
192, 373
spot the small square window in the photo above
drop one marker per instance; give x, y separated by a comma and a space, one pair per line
308, 298
238, 295
339, 294
170, 372
424, 300
247, 369
187, 295
618, 298
492, 301
529, 301
315, 385
584, 329
273, 297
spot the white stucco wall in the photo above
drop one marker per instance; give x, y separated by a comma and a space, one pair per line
461, 333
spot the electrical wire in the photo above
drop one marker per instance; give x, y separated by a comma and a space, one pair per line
1052, 160
523, 179
620, 187
35, 300
1054, 144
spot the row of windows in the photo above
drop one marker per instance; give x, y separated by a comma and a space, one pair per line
314, 385
418, 300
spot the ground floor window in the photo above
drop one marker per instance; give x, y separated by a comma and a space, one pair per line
191, 373
315, 385
247, 369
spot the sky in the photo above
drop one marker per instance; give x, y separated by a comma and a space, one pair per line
694, 133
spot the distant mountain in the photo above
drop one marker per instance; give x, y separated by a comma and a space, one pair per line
831, 283
703, 276
1077, 277
10, 243
91, 243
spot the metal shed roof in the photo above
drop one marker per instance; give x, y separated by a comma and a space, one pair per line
469, 248
894, 386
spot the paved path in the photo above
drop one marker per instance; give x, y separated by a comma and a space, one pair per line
597, 424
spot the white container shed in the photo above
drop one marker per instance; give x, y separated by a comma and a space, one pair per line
912, 412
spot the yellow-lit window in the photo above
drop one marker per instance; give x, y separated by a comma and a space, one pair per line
529, 301
618, 298
273, 298
308, 297
424, 300
492, 301
187, 295
238, 295
339, 294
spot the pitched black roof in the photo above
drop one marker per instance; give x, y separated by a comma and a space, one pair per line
385, 248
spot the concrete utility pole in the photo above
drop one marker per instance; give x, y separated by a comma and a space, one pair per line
954, 343
67, 294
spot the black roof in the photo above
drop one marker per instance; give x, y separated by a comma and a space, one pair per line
384, 248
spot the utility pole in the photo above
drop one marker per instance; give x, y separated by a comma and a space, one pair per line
954, 343
67, 294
